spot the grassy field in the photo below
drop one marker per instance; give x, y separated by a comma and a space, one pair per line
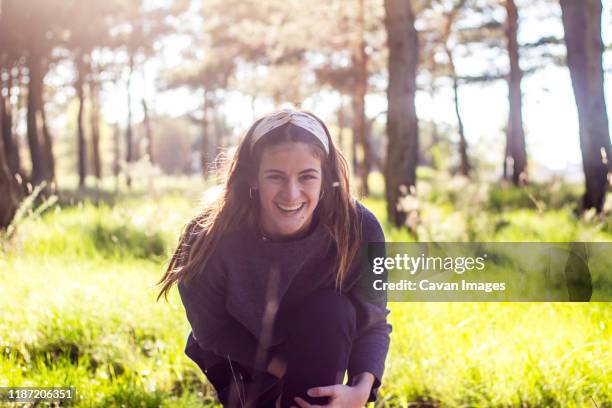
77, 307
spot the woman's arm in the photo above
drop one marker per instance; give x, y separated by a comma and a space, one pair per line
203, 297
371, 344
212, 327
364, 382
368, 354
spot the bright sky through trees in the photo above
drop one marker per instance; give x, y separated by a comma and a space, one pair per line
549, 110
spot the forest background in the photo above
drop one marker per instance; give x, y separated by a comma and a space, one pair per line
462, 120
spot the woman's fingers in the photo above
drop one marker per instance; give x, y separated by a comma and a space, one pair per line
328, 391
304, 404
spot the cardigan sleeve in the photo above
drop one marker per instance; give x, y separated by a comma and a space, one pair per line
371, 344
212, 327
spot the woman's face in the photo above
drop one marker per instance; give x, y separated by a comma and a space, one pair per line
289, 181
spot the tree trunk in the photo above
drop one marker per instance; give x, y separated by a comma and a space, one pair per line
465, 161
582, 26
129, 158
8, 196
451, 16
117, 154
465, 165
507, 160
402, 122
360, 65
11, 148
375, 161
204, 143
39, 167
219, 141
354, 143
148, 131
82, 148
20, 86
435, 133
47, 145
94, 117
515, 135
341, 123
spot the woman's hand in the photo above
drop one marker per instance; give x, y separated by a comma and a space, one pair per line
340, 396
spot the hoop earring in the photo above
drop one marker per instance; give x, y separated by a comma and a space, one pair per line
322, 195
250, 193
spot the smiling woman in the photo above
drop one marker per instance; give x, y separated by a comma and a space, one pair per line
270, 276
289, 186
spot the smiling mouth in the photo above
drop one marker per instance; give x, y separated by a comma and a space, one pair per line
290, 209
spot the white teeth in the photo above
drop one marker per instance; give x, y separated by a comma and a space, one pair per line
293, 208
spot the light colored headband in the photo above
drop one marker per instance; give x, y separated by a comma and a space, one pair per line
303, 120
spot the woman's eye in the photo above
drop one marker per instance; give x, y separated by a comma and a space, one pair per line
308, 177
275, 177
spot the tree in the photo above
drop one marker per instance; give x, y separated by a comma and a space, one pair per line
340, 80
8, 197
516, 154
402, 123
350, 41
266, 41
148, 131
86, 34
582, 27
42, 18
10, 146
359, 59
9, 61
81, 68
443, 37
209, 73
139, 26
94, 118
450, 16
35, 82
479, 31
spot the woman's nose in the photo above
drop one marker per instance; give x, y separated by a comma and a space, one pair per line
292, 190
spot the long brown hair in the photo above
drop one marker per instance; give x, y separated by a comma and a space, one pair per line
337, 209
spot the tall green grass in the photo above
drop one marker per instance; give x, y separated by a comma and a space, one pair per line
77, 307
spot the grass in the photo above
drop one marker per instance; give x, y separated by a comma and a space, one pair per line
78, 308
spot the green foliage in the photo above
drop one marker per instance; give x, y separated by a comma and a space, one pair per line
540, 196
497, 354
110, 239
78, 308
456, 209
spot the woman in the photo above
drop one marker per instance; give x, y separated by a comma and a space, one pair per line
274, 276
